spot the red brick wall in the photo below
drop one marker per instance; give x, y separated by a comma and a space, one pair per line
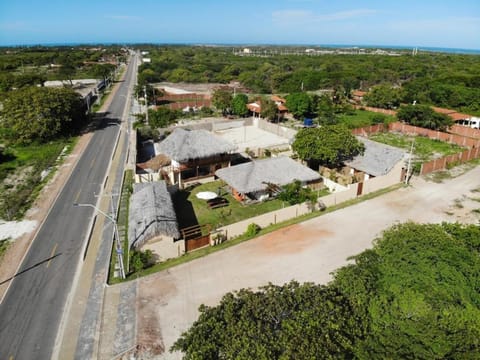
464, 131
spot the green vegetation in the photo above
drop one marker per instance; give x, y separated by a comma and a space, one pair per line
41, 114
328, 145
20, 174
424, 149
424, 116
232, 213
389, 304
252, 230
445, 80
4, 244
27, 66
295, 193
122, 223
362, 118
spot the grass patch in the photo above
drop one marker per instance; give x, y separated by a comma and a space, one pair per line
20, 174
4, 244
122, 223
361, 118
232, 213
235, 241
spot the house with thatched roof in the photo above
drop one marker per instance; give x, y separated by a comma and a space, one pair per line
262, 178
194, 154
152, 222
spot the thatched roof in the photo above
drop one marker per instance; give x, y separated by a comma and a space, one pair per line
183, 145
151, 213
155, 163
255, 176
378, 159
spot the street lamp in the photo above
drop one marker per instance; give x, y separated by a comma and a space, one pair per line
119, 250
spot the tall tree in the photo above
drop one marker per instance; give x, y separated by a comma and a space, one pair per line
424, 116
103, 71
41, 114
269, 109
239, 105
299, 104
383, 96
327, 145
222, 100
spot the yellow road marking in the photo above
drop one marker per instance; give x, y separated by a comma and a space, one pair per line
51, 254
77, 196
93, 162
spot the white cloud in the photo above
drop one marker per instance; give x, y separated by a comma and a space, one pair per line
296, 16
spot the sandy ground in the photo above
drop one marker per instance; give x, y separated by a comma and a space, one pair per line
310, 251
14, 229
251, 137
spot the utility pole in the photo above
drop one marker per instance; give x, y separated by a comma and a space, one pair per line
407, 176
146, 103
118, 245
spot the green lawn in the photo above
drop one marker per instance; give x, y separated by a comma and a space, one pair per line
361, 118
232, 213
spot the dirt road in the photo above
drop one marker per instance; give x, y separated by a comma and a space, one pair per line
310, 251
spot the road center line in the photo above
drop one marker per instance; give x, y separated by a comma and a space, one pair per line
77, 196
51, 255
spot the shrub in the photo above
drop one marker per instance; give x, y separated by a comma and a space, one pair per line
252, 230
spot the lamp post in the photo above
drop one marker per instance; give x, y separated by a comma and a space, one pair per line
118, 245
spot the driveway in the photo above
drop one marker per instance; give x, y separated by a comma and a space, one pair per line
310, 251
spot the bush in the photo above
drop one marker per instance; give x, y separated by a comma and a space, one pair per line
140, 260
252, 230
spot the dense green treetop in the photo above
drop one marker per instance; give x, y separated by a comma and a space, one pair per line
40, 114
327, 145
222, 100
424, 116
299, 104
383, 96
269, 109
239, 105
441, 79
414, 295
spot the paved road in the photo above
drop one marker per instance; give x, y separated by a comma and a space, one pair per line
32, 309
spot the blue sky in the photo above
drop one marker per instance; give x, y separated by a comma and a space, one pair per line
422, 23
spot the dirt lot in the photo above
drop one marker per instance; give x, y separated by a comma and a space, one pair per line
309, 251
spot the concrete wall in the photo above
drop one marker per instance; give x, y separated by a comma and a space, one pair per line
287, 213
333, 186
276, 129
165, 248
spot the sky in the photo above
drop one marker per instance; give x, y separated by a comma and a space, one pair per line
409, 23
